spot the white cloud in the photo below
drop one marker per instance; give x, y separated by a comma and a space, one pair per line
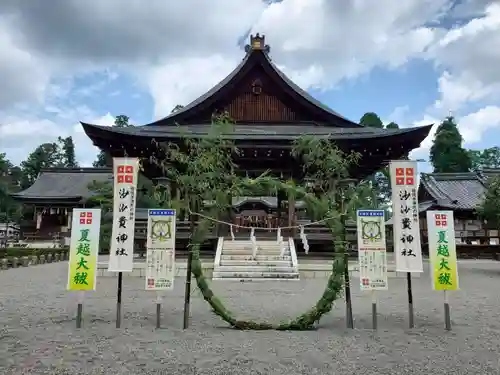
475, 125
324, 40
21, 134
23, 76
179, 82
470, 59
398, 115
423, 151
470, 77
86, 152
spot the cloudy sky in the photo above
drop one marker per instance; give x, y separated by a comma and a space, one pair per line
411, 61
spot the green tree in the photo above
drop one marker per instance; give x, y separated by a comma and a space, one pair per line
67, 152
205, 171
392, 125
178, 107
447, 153
484, 159
489, 209
10, 181
379, 184
44, 156
371, 120
121, 121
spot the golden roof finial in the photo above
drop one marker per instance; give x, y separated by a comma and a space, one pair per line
257, 43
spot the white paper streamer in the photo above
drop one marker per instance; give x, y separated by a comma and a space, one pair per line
303, 238
282, 248
254, 243
232, 233
279, 239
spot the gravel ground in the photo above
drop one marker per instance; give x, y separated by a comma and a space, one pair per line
38, 334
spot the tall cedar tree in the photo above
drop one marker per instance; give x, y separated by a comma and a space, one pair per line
380, 181
447, 153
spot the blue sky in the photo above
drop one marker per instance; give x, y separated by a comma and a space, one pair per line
410, 63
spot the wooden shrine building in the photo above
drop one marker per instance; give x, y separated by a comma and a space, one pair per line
53, 196
461, 193
270, 112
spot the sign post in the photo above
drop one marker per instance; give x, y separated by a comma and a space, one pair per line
372, 254
121, 250
443, 256
84, 247
406, 227
160, 261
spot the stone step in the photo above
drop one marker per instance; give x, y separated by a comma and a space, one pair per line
253, 268
251, 263
249, 243
254, 275
258, 258
250, 246
250, 251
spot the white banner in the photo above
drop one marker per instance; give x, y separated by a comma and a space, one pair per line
372, 254
406, 228
121, 252
160, 262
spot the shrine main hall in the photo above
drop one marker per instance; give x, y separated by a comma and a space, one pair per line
269, 112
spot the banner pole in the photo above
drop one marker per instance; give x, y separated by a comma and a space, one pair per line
410, 301
374, 309
187, 289
447, 317
347, 282
80, 295
158, 310
119, 300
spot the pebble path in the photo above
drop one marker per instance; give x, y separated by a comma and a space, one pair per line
38, 334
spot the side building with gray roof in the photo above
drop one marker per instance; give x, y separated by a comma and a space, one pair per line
461, 193
63, 186
53, 196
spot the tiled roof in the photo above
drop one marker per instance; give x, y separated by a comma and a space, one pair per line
456, 191
64, 183
261, 132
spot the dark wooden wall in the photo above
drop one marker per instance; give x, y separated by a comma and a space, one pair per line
257, 98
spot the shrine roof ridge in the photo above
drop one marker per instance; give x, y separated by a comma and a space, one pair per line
77, 170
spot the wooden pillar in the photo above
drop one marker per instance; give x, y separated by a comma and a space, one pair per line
230, 213
291, 213
279, 208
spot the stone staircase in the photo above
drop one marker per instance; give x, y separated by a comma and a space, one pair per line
234, 261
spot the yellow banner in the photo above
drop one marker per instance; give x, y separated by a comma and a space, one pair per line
442, 250
84, 247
